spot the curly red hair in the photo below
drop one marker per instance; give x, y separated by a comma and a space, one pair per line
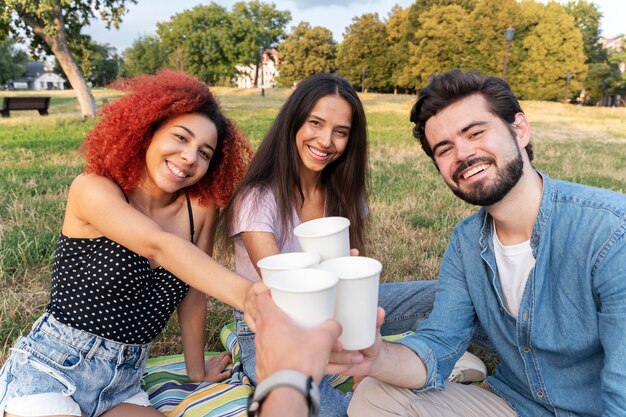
116, 147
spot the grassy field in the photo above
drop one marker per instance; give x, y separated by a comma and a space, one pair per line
412, 211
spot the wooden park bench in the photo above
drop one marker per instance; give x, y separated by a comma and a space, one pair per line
40, 104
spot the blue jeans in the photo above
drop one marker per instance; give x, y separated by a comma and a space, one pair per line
98, 374
406, 304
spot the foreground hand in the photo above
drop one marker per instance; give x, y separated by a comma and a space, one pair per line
282, 344
250, 311
360, 362
215, 368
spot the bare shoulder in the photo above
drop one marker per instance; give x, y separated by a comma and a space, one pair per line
85, 191
94, 185
205, 213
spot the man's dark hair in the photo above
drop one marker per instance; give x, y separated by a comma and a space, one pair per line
452, 86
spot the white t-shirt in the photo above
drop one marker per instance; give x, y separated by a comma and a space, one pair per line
514, 264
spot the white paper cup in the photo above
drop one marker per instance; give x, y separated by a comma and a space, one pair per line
329, 237
306, 295
356, 301
286, 261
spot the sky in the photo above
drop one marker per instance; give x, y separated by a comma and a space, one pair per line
141, 18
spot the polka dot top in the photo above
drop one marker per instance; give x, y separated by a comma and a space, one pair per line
103, 288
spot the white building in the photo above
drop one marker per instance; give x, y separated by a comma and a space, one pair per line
38, 76
267, 72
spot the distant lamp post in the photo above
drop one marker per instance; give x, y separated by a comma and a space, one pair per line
568, 78
508, 37
262, 68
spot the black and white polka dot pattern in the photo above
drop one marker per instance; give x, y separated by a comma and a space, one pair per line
101, 287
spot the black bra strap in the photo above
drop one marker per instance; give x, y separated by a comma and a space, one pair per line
191, 227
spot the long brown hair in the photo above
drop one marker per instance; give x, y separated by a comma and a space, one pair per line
276, 165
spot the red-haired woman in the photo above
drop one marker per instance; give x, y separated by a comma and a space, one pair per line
134, 245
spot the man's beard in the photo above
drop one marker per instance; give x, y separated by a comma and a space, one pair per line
487, 192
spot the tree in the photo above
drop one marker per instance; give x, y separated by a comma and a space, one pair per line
601, 75
12, 61
587, 18
421, 6
146, 55
99, 63
51, 24
306, 51
552, 47
362, 56
616, 82
199, 41
404, 48
398, 39
437, 46
255, 27
104, 64
598, 81
484, 35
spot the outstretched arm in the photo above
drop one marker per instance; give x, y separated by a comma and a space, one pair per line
99, 202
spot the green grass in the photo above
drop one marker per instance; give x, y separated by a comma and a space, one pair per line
412, 211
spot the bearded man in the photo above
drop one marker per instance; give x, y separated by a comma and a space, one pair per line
541, 267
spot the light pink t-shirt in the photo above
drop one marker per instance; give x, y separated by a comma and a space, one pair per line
260, 215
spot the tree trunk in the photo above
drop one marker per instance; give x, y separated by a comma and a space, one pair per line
58, 45
256, 76
81, 89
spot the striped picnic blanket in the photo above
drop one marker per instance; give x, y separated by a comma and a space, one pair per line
172, 394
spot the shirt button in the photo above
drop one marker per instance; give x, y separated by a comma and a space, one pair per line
540, 394
527, 349
525, 315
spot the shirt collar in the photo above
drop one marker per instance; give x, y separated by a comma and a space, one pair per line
546, 207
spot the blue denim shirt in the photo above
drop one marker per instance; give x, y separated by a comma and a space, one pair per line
565, 352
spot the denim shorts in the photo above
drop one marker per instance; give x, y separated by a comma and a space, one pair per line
62, 370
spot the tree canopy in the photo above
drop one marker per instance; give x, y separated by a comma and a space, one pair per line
198, 42
483, 34
208, 41
432, 36
398, 38
12, 61
437, 46
362, 56
587, 18
306, 51
555, 46
145, 56
552, 48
